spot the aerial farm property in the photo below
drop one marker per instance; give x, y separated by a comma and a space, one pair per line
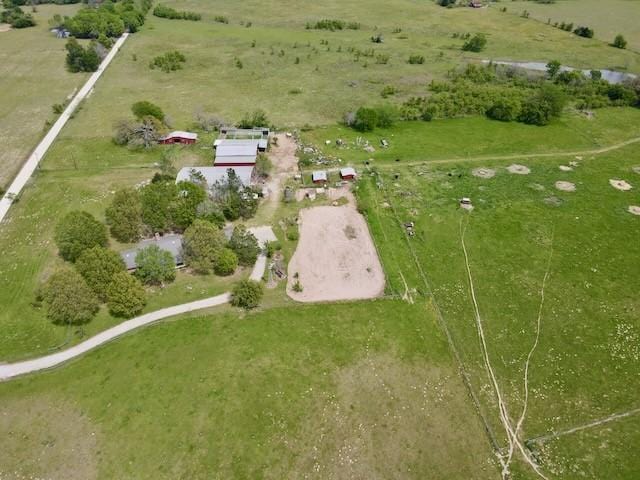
326, 240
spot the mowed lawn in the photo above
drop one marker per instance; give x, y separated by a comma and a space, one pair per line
301, 76
362, 390
608, 19
33, 78
587, 362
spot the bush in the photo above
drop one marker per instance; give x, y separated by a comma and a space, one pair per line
163, 11
15, 17
184, 208
169, 62
157, 200
257, 119
68, 299
293, 235
272, 247
155, 266
416, 59
210, 211
221, 19
477, 43
226, 262
245, 245
263, 165
619, 42
97, 266
78, 231
124, 215
202, 243
366, 119
584, 32
247, 294
144, 109
505, 109
81, 59
326, 24
125, 295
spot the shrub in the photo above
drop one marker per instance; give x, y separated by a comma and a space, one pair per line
97, 266
157, 200
15, 17
388, 90
78, 231
505, 109
416, 59
147, 109
245, 245
247, 294
256, 119
584, 32
124, 215
477, 43
366, 119
202, 243
155, 266
210, 211
619, 42
125, 296
220, 19
163, 11
226, 262
293, 235
326, 24
169, 62
272, 247
185, 206
68, 299
553, 67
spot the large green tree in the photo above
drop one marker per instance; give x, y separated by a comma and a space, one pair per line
68, 298
155, 266
247, 294
202, 243
245, 245
98, 265
125, 295
157, 201
78, 231
185, 206
124, 215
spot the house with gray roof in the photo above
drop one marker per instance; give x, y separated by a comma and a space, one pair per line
172, 243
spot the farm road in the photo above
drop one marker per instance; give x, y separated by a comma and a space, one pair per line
38, 154
11, 370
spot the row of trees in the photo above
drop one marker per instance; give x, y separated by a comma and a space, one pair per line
506, 94
111, 19
163, 11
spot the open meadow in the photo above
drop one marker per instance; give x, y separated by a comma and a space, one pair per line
33, 78
526, 236
607, 19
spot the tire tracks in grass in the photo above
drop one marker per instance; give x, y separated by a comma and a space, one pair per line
466, 379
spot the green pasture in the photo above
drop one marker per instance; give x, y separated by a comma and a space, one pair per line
586, 364
365, 389
607, 19
33, 78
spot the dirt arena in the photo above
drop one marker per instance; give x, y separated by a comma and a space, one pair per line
335, 258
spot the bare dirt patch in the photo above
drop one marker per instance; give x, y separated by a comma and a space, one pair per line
46, 438
565, 168
483, 172
566, 186
4, 27
536, 186
519, 169
335, 258
634, 209
620, 185
553, 201
390, 419
636, 169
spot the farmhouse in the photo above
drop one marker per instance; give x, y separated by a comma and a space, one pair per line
319, 176
347, 173
186, 138
215, 174
171, 243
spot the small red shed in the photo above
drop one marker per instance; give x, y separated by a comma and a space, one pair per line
347, 173
186, 138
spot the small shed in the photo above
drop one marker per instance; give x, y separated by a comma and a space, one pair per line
186, 138
319, 176
347, 173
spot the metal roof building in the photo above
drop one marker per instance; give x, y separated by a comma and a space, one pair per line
260, 143
171, 243
319, 176
235, 155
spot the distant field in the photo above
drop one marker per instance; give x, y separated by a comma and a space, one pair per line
328, 80
364, 390
585, 367
607, 18
33, 77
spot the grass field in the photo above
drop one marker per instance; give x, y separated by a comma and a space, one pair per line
33, 77
361, 390
608, 19
330, 80
586, 364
